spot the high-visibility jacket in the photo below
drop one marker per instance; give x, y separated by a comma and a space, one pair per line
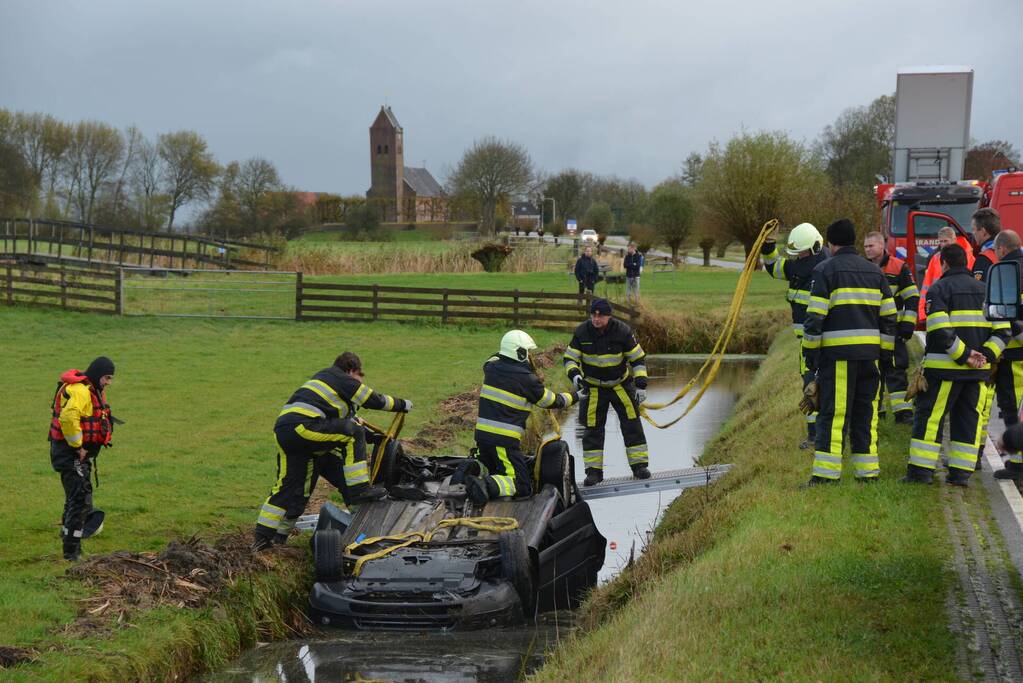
851, 314
798, 272
331, 393
956, 325
605, 358
907, 296
80, 413
986, 257
933, 273
510, 389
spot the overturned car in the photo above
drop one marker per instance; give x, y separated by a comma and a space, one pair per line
426, 557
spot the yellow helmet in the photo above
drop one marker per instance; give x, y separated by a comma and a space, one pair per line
804, 237
517, 345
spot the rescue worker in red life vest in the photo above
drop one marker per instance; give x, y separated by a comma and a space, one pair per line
893, 375
986, 224
804, 249
510, 388
320, 418
80, 425
605, 362
946, 236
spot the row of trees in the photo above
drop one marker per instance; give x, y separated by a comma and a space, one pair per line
95, 173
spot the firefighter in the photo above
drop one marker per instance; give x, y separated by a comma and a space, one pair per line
1009, 375
849, 326
986, 224
605, 357
900, 281
510, 388
961, 343
803, 251
320, 417
80, 425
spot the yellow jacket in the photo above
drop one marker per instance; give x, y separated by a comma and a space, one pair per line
74, 408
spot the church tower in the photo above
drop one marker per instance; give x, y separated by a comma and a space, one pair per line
387, 164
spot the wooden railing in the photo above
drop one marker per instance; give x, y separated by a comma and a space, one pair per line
366, 303
80, 289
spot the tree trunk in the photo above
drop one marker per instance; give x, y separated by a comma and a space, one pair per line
706, 257
674, 256
170, 219
722, 248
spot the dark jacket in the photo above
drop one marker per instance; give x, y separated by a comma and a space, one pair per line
798, 272
907, 296
851, 314
587, 271
633, 264
332, 393
605, 358
986, 257
1014, 349
956, 325
509, 390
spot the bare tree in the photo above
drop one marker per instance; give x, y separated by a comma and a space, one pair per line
189, 169
95, 152
491, 170
151, 206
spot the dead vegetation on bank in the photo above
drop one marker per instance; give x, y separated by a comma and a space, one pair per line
667, 332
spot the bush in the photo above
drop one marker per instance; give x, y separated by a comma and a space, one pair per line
491, 256
644, 236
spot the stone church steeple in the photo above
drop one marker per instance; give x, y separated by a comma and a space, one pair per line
387, 163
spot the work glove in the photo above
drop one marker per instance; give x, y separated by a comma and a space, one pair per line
640, 396
406, 405
582, 393
809, 403
578, 383
918, 384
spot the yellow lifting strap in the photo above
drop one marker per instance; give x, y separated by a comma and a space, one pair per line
390, 434
705, 376
403, 540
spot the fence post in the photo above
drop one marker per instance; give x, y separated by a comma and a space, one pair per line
298, 296
92, 236
63, 287
10, 287
376, 302
119, 293
515, 308
444, 309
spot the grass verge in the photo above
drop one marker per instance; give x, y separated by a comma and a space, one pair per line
751, 579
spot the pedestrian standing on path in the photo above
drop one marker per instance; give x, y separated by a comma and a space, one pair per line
586, 272
961, 345
80, 425
633, 264
850, 326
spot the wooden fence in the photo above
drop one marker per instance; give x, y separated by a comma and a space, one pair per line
95, 246
80, 289
365, 303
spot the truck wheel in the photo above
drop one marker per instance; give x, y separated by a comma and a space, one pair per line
327, 554
518, 567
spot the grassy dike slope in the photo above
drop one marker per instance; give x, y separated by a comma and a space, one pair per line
754, 579
196, 456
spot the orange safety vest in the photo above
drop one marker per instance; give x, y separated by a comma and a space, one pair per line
96, 428
934, 272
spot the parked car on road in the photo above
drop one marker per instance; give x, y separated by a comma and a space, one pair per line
589, 235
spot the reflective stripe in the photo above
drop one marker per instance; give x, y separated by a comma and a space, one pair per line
270, 515
574, 354
500, 428
639, 371
324, 391
568, 398
924, 453
996, 344
505, 484
548, 398
310, 435
302, 408
956, 348
623, 396
605, 383
908, 315
361, 394
865, 465
855, 295
504, 397
811, 341
356, 474
827, 465
572, 365
388, 402
606, 360
594, 459
635, 354
968, 319
638, 454
75, 438
817, 305
849, 337
888, 307
909, 292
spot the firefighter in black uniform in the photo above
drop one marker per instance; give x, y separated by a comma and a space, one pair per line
907, 301
320, 417
605, 356
510, 389
961, 345
803, 251
986, 224
850, 326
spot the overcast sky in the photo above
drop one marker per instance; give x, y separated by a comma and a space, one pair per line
625, 87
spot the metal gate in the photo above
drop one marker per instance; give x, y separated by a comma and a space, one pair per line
190, 293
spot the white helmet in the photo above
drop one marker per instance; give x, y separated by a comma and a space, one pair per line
804, 237
517, 345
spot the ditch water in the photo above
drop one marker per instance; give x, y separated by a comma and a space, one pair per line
508, 654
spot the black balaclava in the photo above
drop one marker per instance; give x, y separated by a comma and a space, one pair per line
98, 368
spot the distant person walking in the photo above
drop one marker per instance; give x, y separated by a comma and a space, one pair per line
633, 264
587, 271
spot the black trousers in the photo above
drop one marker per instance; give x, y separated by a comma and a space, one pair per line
893, 378
506, 467
593, 414
847, 390
299, 449
963, 401
1009, 389
75, 477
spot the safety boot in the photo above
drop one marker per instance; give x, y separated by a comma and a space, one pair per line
364, 493
818, 481
1013, 471
261, 541
918, 475
904, 417
72, 549
594, 476
640, 472
958, 477
480, 489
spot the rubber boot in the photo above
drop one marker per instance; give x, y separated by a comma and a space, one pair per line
480, 489
72, 549
364, 493
593, 476
1013, 471
641, 472
818, 481
262, 541
904, 417
918, 475
958, 477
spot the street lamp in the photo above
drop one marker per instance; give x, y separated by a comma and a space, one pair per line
554, 208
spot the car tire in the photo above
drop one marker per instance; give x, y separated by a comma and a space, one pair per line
389, 473
327, 555
556, 469
517, 566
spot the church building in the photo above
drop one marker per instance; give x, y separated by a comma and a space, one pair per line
404, 193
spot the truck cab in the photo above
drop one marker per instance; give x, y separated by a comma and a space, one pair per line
1005, 195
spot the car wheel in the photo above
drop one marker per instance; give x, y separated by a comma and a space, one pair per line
556, 468
518, 567
327, 554
389, 473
